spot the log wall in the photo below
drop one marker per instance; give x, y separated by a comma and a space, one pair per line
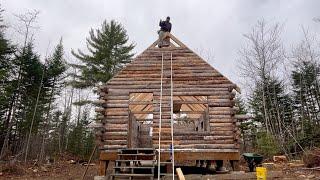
192, 76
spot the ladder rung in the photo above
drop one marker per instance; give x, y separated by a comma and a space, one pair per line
165, 122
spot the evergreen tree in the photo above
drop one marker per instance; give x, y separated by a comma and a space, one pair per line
306, 90
53, 80
247, 128
6, 73
55, 70
81, 140
278, 109
108, 50
52, 84
6, 51
31, 74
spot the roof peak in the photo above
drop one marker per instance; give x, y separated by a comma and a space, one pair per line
174, 42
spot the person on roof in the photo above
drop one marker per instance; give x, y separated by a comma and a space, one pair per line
165, 27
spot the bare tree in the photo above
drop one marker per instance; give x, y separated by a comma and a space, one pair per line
28, 23
260, 57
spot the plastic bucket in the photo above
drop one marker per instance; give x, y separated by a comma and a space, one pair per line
261, 173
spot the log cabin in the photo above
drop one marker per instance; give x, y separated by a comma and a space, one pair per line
173, 101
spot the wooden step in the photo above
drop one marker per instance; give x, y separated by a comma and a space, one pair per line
166, 162
133, 175
134, 167
136, 154
137, 151
168, 174
129, 160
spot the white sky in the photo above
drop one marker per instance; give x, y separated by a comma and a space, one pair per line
206, 25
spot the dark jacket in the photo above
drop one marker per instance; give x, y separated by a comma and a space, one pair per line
165, 26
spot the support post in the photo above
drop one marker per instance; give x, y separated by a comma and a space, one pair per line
235, 165
103, 167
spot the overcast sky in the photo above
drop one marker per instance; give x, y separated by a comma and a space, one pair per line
206, 25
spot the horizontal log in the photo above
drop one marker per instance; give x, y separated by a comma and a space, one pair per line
242, 117
116, 113
123, 133
117, 101
187, 133
220, 109
115, 142
207, 141
220, 128
113, 126
176, 75
116, 97
221, 104
100, 117
99, 110
221, 116
221, 120
221, 147
118, 93
109, 105
142, 112
176, 91
114, 146
218, 137
235, 109
224, 124
140, 102
156, 85
96, 125
99, 102
177, 83
166, 142
113, 137
115, 129
116, 109
117, 116
221, 113
116, 121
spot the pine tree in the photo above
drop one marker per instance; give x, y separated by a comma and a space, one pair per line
56, 67
108, 50
31, 73
53, 84
6, 86
306, 90
278, 105
81, 140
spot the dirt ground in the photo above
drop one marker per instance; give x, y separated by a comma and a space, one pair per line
59, 171
68, 171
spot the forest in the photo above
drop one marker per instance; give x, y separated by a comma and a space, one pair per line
47, 103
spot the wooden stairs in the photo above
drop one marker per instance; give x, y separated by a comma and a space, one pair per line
135, 162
